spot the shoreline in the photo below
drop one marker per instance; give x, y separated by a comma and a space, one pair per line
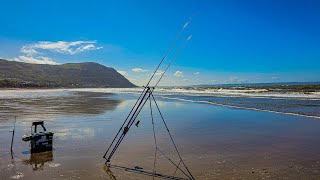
164, 94
239, 107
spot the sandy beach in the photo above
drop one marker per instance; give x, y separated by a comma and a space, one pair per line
216, 142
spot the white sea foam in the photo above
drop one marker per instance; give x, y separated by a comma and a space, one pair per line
252, 93
243, 93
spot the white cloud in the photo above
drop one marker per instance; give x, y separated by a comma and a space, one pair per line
138, 70
32, 52
159, 73
123, 73
178, 74
65, 47
196, 73
28, 51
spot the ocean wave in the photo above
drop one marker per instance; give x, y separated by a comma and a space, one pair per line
252, 93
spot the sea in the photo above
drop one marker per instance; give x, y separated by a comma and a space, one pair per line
220, 132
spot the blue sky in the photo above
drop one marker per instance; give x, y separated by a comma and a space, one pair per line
235, 41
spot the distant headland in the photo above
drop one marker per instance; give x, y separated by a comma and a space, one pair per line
71, 75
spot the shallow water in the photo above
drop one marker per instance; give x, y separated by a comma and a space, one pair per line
216, 142
296, 106
296, 102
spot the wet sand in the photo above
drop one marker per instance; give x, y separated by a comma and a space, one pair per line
216, 142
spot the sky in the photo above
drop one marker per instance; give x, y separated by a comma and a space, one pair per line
233, 41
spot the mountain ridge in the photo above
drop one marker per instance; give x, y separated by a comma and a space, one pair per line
70, 75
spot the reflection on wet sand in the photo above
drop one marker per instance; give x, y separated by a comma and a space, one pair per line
77, 103
38, 160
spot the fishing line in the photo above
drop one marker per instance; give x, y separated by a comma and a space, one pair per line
173, 59
170, 48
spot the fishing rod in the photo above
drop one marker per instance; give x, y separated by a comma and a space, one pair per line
145, 98
140, 101
13, 131
147, 94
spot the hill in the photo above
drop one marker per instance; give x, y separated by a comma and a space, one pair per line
72, 75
